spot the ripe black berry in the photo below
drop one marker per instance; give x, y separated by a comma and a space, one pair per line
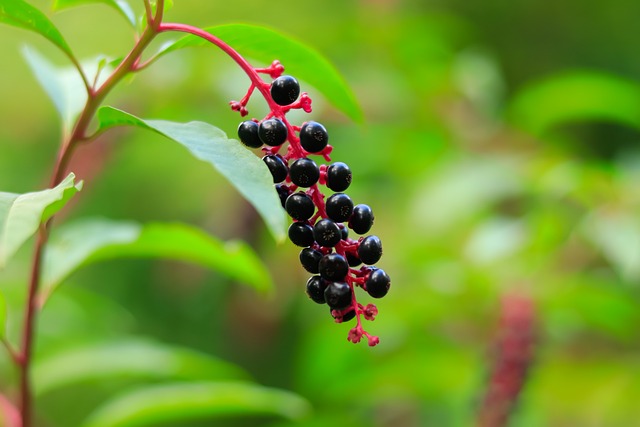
299, 206
333, 267
277, 167
344, 232
339, 207
370, 250
285, 90
362, 219
378, 283
248, 134
316, 286
338, 295
283, 192
304, 172
327, 233
313, 137
346, 316
338, 176
272, 132
310, 259
353, 259
301, 234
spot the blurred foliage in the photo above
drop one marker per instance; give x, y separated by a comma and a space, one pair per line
499, 153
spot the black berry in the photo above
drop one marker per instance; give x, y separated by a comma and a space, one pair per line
339, 207
285, 90
346, 316
277, 167
313, 137
370, 250
378, 283
248, 134
283, 192
310, 259
344, 232
327, 233
272, 132
353, 259
304, 172
316, 286
362, 219
333, 267
338, 295
301, 234
299, 206
338, 176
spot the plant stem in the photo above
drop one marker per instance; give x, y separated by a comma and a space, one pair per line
94, 100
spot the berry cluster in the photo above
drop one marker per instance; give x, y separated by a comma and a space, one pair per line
321, 227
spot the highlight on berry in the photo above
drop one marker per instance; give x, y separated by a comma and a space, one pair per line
320, 223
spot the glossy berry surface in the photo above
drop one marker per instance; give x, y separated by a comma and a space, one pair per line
339, 207
333, 267
310, 260
338, 295
313, 137
301, 234
338, 176
362, 219
248, 134
353, 259
285, 90
304, 172
378, 283
283, 192
327, 233
277, 167
299, 206
272, 132
315, 289
370, 250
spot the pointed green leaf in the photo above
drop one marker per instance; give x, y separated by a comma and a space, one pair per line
241, 167
3, 316
22, 214
176, 403
93, 240
120, 5
21, 14
300, 60
135, 359
576, 96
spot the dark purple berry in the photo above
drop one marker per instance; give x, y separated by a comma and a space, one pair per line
377, 283
283, 192
313, 137
327, 233
299, 206
277, 167
353, 259
362, 219
333, 267
316, 286
338, 295
339, 207
310, 259
370, 250
344, 233
301, 234
304, 172
248, 134
272, 132
350, 314
338, 176
285, 90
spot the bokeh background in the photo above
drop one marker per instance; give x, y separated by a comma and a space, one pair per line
499, 152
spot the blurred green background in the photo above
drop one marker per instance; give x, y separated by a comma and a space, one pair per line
499, 153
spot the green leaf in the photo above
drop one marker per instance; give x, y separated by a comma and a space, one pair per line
22, 214
178, 403
120, 5
137, 359
576, 96
21, 14
64, 85
92, 240
3, 316
304, 62
241, 167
